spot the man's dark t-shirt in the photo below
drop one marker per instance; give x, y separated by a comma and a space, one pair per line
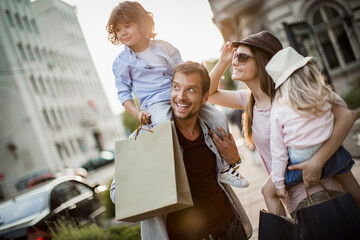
211, 211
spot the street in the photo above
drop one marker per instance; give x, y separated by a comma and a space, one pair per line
251, 168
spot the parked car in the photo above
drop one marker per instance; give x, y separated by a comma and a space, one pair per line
29, 215
104, 158
34, 178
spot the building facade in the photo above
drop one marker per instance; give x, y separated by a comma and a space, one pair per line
329, 30
54, 112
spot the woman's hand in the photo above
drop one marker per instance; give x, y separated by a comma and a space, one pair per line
227, 147
311, 171
227, 53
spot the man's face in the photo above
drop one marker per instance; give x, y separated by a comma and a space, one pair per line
186, 96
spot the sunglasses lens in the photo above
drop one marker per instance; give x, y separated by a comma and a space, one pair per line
241, 58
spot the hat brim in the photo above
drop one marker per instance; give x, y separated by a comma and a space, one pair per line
290, 71
236, 44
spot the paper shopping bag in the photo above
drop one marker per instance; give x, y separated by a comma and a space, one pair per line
335, 218
272, 227
150, 175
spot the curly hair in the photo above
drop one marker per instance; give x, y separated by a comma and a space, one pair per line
129, 11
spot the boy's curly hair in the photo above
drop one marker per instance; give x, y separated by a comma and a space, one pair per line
129, 11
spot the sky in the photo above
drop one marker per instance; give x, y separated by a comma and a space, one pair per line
186, 24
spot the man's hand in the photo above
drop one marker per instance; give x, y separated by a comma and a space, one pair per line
311, 172
227, 147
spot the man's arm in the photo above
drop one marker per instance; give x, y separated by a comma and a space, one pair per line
311, 170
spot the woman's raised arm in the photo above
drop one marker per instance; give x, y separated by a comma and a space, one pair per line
222, 97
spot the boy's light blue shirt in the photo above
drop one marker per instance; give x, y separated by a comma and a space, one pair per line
149, 84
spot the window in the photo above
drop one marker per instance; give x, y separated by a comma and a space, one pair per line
43, 53
38, 54
46, 117
72, 146
82, 144
34, 26
42, 85
61, 116
330, 25
30, 52
22, 51
27, 24
59, 150
49, 86
18, 21
63, 193
83, 188
343, 41
34, 84
9, 18
55, 119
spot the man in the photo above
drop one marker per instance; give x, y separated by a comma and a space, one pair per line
217, 213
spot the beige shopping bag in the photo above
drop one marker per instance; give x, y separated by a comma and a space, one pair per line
150, 175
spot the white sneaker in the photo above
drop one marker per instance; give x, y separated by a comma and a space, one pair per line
233, 178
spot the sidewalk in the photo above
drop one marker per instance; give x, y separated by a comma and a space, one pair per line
253, 170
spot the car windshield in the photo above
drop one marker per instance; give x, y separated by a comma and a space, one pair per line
22, 207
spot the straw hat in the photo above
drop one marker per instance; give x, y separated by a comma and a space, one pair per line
263, 40
284, 63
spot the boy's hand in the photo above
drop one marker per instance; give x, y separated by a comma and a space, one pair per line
280, 192
143, 113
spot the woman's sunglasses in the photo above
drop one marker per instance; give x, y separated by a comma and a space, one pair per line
242, 58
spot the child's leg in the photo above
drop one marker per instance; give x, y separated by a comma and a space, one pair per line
214, 118
296, 156
160, 112
229, 175
349, 184
272, 201
339, 163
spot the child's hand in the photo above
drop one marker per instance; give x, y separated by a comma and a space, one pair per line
227, 53
143, 113
280, 192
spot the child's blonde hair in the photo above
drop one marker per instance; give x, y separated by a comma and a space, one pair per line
129, 11
305, 91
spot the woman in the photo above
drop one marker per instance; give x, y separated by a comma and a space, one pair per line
249, 61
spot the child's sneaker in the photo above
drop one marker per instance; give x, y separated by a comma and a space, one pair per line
233, 178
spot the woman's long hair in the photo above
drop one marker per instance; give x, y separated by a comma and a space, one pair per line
305, 91
267, 86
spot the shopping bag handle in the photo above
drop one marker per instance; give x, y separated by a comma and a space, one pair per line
310, 199
142, 122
